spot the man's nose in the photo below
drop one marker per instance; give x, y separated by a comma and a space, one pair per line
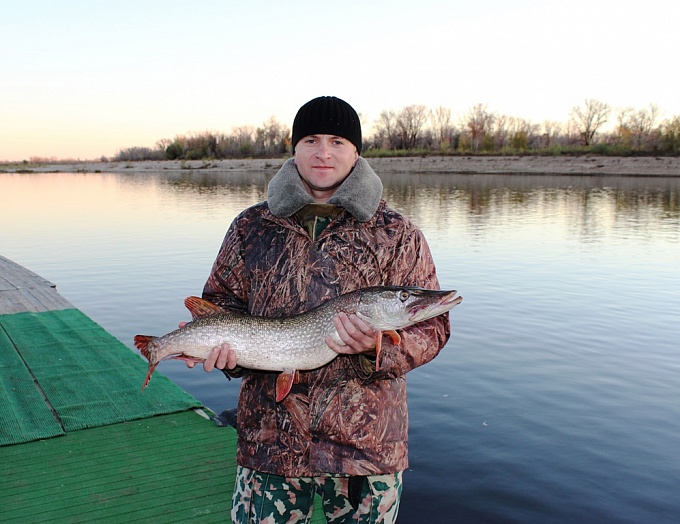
323, 151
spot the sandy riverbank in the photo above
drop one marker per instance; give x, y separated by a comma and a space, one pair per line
582, 165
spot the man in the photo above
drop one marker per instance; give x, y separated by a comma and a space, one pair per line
323, 231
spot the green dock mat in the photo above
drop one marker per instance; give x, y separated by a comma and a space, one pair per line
171, 468
24, 414
88, 377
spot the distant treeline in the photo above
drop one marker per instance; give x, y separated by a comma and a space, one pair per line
419, 130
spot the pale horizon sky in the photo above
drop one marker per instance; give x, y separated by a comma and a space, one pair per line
83, 79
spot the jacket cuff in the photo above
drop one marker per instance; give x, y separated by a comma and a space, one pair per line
236, 372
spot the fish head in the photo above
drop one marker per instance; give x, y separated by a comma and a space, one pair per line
396, 307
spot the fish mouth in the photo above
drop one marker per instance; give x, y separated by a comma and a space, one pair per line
429, 309
451, 298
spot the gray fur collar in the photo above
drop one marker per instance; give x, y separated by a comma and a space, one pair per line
359, 194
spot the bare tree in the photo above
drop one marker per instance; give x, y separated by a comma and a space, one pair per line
642, 123
501, 131
622, 133
670, 137
238, 144
547, 134
521, 132
442, 127
589, 119
385, 130
479, 123
411, 122
243, 134
272, 137
163, 143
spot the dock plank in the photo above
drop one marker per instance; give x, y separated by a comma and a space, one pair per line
22, 290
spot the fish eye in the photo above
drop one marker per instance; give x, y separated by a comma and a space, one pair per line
403, 295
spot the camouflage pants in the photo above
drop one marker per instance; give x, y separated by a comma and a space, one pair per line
261, 498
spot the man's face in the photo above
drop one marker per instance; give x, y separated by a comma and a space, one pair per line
324, 161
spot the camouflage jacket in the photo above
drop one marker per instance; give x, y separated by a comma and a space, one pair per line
343, 418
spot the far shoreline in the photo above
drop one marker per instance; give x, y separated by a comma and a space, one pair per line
588, 165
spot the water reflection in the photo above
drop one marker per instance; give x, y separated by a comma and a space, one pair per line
434, 199
251, 185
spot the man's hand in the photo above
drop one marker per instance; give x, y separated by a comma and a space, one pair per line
221, 357
357, 335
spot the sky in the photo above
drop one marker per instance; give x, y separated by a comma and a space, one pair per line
82, 79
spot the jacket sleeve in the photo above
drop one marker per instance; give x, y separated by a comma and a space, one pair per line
421, 342
225, 285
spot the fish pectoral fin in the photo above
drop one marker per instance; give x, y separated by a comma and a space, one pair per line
199, 307
378, 344
396, 337
284, 383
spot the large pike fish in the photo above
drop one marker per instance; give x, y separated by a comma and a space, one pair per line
293, 343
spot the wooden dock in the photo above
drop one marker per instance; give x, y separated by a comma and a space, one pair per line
22, 290
79, 442
72, 452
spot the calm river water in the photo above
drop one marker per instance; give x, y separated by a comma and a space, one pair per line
557, 398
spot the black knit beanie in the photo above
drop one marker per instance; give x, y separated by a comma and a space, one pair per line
327, 115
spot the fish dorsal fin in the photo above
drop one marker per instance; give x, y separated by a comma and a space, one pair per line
199, 307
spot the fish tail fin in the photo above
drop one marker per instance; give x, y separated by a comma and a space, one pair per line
199, 307
142, 343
